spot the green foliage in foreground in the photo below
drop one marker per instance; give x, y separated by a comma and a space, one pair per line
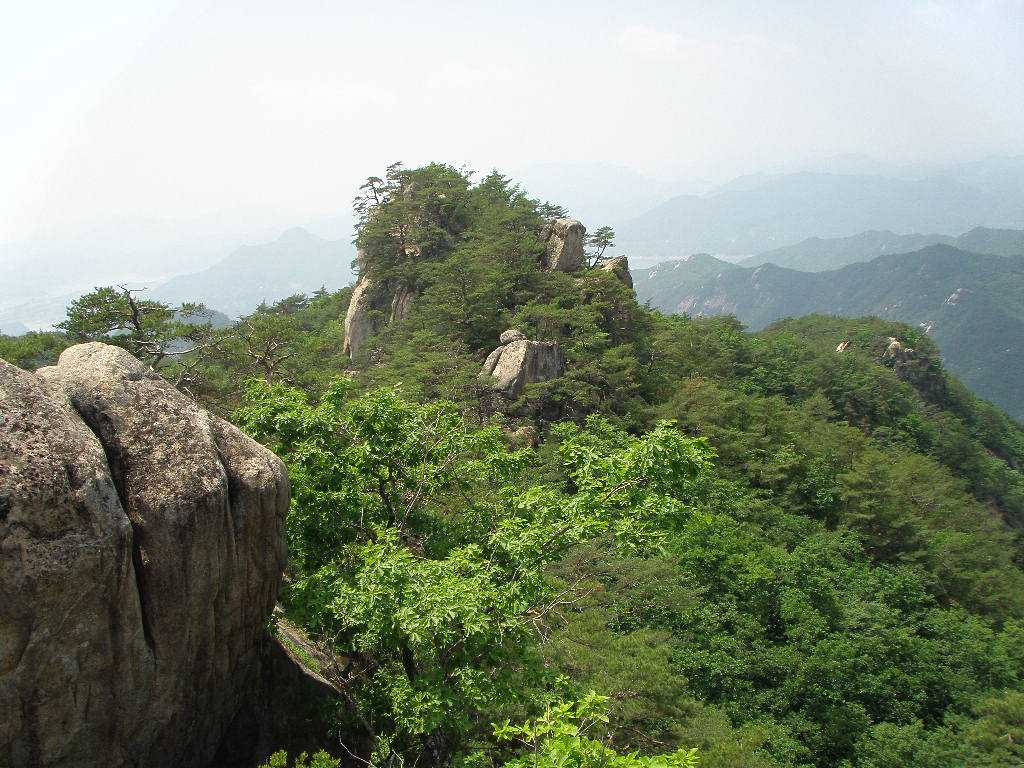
564, 736
419, 547
152, 330
846, 591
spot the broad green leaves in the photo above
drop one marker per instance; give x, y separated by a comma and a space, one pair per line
564, 736
419, 545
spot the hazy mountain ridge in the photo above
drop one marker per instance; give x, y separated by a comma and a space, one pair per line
297, 262
42, 276
817, 254
971, 304
772, 211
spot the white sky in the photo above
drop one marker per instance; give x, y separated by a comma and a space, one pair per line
115, 110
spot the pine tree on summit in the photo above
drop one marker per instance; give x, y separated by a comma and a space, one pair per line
598, 242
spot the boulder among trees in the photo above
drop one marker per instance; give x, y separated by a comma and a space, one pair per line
519, 362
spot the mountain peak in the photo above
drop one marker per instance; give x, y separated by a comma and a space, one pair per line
297, 234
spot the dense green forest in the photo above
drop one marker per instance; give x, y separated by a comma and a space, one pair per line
698, 544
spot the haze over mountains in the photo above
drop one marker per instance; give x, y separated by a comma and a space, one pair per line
40, 288
820, 254
822, 216
296, 262
758, 213
971, 304
602, 194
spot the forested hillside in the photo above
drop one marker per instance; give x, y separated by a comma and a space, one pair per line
971, 304
799, 547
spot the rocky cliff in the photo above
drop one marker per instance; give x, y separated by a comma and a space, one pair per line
619, 267
564, 239
375, 305
141, 549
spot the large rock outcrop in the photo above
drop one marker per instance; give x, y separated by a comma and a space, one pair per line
619, 267
564, 239
141, 549
920, 372
518, 362
373, 306
362, 319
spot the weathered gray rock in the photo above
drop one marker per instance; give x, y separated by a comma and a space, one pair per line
519, 361
142, 549
72, 648
920, 372
401, 304
361, 321
564, 238
372, 307
897, 352
618, 266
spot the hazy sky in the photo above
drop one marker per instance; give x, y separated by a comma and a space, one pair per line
276, 111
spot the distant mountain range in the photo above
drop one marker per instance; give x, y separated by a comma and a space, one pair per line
297, 262
40, 277
820, 254
756, 213
972, 304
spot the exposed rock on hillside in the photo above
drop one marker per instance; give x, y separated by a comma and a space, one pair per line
618, 266
917, 372
375, 305
362, 319
519, 361
564, 238
897, 352
142, 548
372, 307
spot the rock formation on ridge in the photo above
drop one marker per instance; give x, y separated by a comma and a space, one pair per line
564, 239
141, 549
917, 372
897, 352
373, 306
518, 362
618, 266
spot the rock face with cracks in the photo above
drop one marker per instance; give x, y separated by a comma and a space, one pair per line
564, 239
141, 549
372, 307
519, 361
